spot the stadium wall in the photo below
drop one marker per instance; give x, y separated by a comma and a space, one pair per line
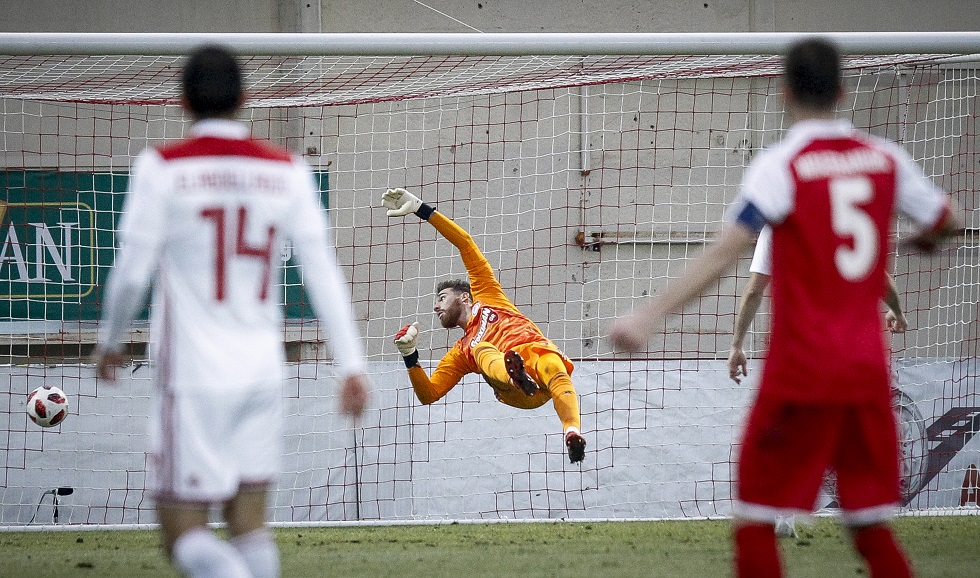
666, 449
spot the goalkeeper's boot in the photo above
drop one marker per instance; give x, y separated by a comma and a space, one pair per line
515, 369
576, 446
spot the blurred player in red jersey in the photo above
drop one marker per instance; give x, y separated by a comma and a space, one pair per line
524, 368
830, 194
760, 270
205, 219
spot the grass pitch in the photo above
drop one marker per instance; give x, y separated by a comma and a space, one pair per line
938, 547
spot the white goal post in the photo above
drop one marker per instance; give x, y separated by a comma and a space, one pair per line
490, 44
588, 167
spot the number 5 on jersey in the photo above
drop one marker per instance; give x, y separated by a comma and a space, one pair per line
849, 220
218, 216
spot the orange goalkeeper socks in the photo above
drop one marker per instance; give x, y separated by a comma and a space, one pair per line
566, 401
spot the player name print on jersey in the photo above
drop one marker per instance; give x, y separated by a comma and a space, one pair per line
820, 164
487, 316
230, 181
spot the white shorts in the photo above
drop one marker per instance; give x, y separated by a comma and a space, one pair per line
207, 444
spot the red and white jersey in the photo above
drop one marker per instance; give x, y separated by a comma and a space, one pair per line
830, 194
207, 219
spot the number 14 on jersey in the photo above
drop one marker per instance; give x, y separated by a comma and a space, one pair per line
238, 247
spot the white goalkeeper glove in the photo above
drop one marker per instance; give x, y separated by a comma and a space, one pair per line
400, 202
406, 338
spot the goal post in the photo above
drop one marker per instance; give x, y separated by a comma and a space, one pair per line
483, 44
589, 168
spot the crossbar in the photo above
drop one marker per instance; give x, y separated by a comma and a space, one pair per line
502, 44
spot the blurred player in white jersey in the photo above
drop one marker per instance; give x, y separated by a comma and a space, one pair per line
205, 220
830, 193
760, 270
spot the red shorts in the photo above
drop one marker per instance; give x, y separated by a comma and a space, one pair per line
788, 447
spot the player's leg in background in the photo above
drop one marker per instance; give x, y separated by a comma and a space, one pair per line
549, 370
877, 545
867, 466
194, 549
756, 550
256, 441
245, 515
783, 454
786, 527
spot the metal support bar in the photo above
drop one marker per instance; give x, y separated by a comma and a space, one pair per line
597, 239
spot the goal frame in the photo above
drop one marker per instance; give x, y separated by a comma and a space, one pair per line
946, 47
496, 44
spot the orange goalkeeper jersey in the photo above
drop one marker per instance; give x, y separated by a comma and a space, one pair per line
493, 319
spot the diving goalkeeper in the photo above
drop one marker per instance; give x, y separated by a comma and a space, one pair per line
524, 368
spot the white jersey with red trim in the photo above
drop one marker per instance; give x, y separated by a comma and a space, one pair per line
762, 255
829, 194
207, 219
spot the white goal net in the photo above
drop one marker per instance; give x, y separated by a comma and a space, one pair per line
587, 180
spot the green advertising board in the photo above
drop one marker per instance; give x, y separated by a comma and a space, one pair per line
57, 230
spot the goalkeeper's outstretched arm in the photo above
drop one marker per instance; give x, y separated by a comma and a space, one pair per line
444, 378
400, 202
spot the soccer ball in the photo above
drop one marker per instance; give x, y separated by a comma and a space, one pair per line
47, 406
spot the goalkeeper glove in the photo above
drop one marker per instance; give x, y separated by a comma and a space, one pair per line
405, 341
400, 202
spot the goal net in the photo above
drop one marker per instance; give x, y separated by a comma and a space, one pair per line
587, 180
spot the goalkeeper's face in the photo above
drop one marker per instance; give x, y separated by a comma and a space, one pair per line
452, 308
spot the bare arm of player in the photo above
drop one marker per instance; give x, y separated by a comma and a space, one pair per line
106, 363
632, 333
895, 318
748, 307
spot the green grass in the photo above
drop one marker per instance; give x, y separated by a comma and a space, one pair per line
938, 546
